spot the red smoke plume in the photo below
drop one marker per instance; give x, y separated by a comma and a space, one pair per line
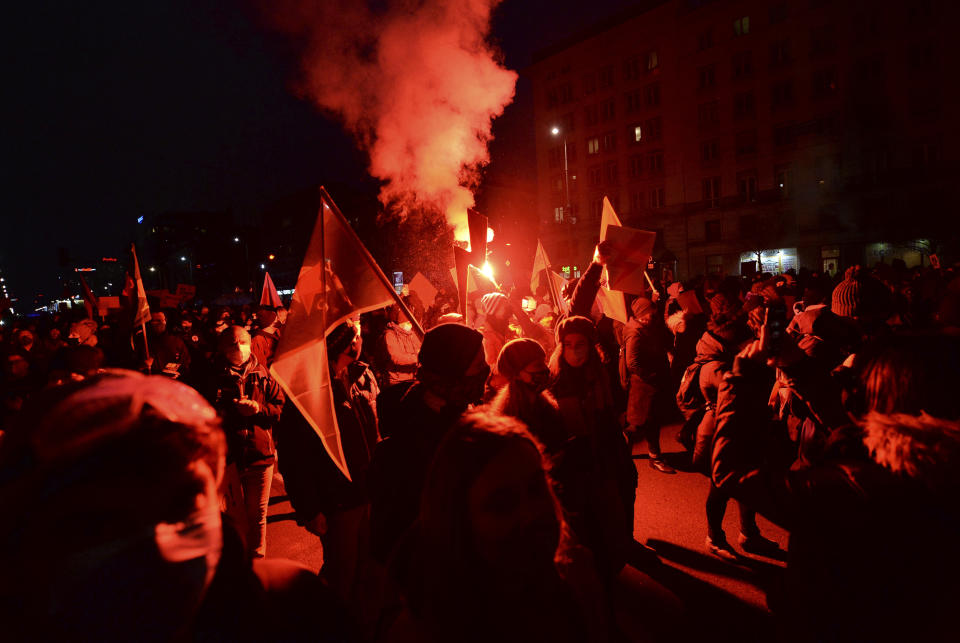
416, 82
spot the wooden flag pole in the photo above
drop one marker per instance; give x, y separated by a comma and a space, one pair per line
325, 198
146, 348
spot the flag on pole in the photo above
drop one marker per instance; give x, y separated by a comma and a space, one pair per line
338, 279
269, 296
611, 302
89, 300
555, 282
142, 315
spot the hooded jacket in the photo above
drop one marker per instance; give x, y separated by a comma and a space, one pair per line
874, 524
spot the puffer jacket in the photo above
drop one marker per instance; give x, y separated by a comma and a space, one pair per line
874, 524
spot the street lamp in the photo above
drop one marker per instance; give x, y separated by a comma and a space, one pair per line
556, 131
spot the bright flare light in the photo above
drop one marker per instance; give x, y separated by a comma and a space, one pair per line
487, 270
489, 235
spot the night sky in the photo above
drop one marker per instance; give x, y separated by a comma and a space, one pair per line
128, 108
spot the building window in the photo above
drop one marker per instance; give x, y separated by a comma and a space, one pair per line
711, 191
784, 134
658, 197
741, 26
636, 202
782, 179
552, 98
566, 93
655, 129
824, 82
571, 151
781, 94
631, 69
635, 169
558, 184
743, 106
610, 172
635, 134
780, 53
747, 186
589, 83
709, 151
923, 56
707, 77
606, 76
596, 208
558, 214
743, 64
926, 154
595, 175
634, 102
715, 264
705, 40
609, 142
708, 113
591, 115
747, 225
653, 60
778, 13
567, 122
655, 161
652, 94
555, 156
713, 230
593, 145
607, 110
822, 41
746, 143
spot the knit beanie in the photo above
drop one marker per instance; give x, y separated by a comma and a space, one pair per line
517, 355
266, 316
576, 325
449, 349
492, 304
340, 338
642, 306
858, 295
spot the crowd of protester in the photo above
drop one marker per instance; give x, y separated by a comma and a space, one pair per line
493, 480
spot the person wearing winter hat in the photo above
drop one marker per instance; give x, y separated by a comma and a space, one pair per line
265, 340
645, 373
327, 504
582, 388
414, 417
523, 363
861, 297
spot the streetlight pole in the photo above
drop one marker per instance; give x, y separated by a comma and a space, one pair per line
566, 171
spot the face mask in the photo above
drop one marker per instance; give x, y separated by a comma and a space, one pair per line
539, 382
576, 357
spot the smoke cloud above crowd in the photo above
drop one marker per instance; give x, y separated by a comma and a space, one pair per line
416, 82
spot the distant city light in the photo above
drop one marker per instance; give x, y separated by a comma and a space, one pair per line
153, 268
183, 258
236, 239
140, 219
263, 267
555, 131
272, 257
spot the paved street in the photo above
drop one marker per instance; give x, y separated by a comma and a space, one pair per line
723, 601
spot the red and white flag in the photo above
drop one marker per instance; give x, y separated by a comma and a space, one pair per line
611, 302
89, 300
269, 296
541, 267
338, 279
142, 315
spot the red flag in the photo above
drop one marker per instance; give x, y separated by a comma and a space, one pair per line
338, 279
89, 300
142, 315
269, 296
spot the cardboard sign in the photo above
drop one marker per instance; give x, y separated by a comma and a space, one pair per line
627, 265
424, 289
106, 304
185, 291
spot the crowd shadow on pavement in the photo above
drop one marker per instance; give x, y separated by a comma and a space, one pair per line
705, 612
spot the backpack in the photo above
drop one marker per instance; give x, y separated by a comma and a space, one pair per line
690, 398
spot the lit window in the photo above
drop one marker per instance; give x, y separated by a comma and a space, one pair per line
637, 133
741, 26
653, 60
593, 145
